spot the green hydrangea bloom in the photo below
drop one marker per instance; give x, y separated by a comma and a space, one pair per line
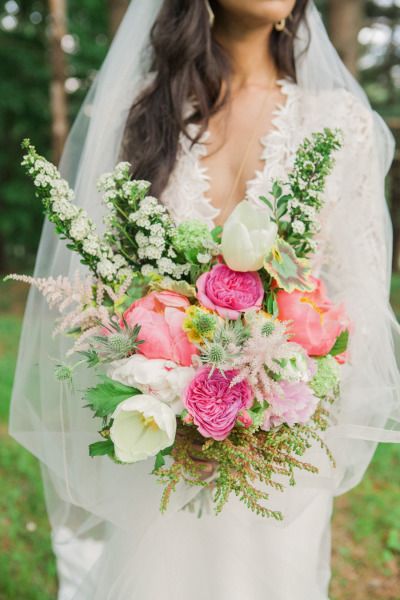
190, 237
326, 380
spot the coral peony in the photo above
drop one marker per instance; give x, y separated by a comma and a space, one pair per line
316, 322
161, 316
230, 292
214, 404
294, 403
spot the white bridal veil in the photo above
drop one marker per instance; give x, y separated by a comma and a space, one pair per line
91, 496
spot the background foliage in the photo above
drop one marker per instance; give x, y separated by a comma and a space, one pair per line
26, 76
366, 530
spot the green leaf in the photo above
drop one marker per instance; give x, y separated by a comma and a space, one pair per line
105, 448
257, 412
290, 272
105, 397
216, 233
267, 202
283, 200
160, 461
341, 344
281, 212
276, 189
91, 356
270, 303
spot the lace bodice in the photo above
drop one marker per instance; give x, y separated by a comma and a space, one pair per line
297, 117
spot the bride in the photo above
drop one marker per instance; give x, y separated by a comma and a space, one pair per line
210, 101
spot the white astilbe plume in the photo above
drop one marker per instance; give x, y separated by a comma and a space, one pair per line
261, 353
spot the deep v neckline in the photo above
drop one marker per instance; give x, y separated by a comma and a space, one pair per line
187, 192
278, 122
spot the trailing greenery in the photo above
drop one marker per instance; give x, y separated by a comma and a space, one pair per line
243, 461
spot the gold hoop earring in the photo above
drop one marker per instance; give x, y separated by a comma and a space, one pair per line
211, 16
280, 25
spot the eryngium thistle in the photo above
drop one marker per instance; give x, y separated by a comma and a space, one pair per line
268, 328
120, 342
214, 355
63, 372
204, 324
232, 334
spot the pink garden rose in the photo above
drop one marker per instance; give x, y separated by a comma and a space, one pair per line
294, 404
160, 316
316, 322
229, 292
213, 404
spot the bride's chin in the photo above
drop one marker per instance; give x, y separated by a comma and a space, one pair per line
267, 11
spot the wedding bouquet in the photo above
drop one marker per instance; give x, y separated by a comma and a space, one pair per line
210, 347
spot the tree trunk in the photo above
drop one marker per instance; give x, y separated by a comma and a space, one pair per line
345, 19
58, 96
395, 211
116, 11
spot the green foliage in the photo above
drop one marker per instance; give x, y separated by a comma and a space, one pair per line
296, 204
104, 398
325, 382
246, 459
341, 343
160, 460
24, 109
105, 448
290, 272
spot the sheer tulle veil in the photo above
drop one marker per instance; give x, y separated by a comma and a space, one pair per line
50, 421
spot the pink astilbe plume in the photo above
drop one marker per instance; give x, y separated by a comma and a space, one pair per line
60, 292
261, 353
116, 296
78, 300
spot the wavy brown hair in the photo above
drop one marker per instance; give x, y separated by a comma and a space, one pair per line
189, 65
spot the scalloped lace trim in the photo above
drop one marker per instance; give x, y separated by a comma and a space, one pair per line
186, 195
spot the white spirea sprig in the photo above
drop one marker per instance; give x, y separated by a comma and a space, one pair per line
139, 224
71, 221
298, 202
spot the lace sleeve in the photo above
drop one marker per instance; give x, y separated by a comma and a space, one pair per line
356, 266
356, 235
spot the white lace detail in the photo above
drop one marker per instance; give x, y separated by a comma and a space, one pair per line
301, 114
186, 195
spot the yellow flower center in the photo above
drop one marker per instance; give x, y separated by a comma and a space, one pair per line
149, 422
276, 254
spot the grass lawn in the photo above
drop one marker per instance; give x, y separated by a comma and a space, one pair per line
366, 526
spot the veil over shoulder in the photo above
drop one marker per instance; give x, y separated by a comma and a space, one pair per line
86, 496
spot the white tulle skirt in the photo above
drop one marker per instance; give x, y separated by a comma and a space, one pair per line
235, 556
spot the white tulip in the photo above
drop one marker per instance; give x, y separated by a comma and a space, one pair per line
142, 427
247, 237
163, 379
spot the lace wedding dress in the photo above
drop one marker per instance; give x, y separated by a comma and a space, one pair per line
237, 555
109, 537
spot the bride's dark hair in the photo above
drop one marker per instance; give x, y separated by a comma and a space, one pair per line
189, 64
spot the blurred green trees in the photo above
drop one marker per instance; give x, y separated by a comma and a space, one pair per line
25, 75
24, 104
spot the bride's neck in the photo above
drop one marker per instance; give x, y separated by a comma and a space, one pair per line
248, 49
